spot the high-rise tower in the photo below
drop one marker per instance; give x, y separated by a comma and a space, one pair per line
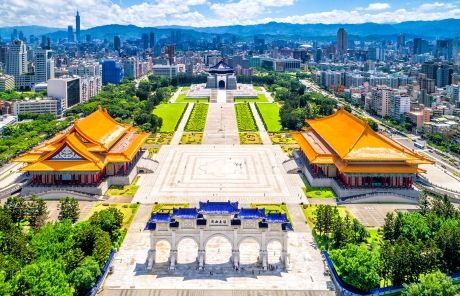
77, 26
342, 41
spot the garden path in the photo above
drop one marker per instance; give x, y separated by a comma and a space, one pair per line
180, 129
260, 125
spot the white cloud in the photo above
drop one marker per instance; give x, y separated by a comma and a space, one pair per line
60, 13
246, 10
377, 6
426, 12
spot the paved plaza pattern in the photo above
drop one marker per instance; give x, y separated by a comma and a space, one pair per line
221, 127
217, 172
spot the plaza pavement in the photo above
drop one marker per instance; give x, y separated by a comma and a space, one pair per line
219, 170
221, 127
439, 177
247, 173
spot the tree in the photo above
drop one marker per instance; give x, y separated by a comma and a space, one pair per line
84, 276
434, 283
109, 220
69, 209
102, 247
448, 241
43, 278
37, 212
357, 266
17, 209
424, 204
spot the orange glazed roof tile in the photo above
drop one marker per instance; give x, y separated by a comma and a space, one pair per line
352, 139
88, 150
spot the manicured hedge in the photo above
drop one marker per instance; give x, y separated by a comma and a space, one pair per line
197, 120
245, 118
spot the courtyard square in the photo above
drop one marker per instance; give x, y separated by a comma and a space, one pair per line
219, 173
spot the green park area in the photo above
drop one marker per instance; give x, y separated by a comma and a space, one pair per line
185, 88
250, 138
319, 192
182, 98
63, 257
261, 98
273, 208
197, 119
191, 138
170, 114
408, 248
127, 209
125, 190
168, 207
244, 118
270, 114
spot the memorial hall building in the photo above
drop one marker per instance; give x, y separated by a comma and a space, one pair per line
344, 148
85, 155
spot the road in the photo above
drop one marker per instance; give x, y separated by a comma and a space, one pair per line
402, 138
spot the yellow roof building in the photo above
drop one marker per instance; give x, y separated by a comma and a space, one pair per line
88, 146
349, 144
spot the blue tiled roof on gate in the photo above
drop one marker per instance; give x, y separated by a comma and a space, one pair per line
185, 213
287, 227
251, 213
218, 208
160, 218
276, 218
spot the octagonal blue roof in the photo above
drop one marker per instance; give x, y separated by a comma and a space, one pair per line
221, 68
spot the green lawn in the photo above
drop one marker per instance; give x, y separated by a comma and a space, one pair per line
261, 98
276, 208
258, 88
128, 210
309, 212
250, 138
191, 138
126, 190
244, 118
183, 99
168, 207
171, 114
270, 114
197, 119
185, 88
319, 192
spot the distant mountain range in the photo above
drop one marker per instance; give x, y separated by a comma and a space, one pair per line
447, 28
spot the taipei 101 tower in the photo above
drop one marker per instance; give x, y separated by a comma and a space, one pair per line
77, 26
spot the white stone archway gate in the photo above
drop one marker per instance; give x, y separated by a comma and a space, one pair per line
201, 225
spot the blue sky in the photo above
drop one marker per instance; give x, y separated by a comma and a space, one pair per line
60, 13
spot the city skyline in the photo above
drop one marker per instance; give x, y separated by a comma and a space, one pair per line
203, 13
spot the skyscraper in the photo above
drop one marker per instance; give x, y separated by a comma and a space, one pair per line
342, 41
70, 37
77, 26
401, 41
117, 43
16, 60
44, 66
152, 40
145, 40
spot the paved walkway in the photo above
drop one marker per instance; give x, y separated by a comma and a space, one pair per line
221, 96
221, 127
175, 95
180, 129
268, 95
260, 125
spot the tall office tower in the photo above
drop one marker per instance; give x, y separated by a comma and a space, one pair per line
420, 46
444, 75
171, 52
21, 36
145, 40
44, 65
401, 41
43, 42
70, 37
152, 40
112, 72
77, 26
3, 54
16, 60
117, 43
429, 69
88, 38
14, 35
342, 41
